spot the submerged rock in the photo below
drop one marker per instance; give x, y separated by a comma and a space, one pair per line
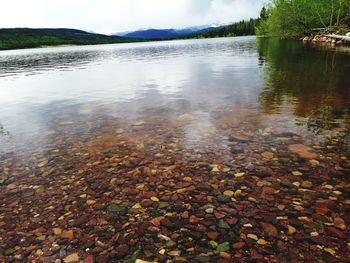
303, 151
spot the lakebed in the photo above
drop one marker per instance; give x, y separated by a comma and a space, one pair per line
216, 150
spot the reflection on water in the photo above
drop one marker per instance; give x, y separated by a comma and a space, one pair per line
316, 81
78, 90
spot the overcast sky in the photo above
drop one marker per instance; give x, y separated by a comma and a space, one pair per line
109, 16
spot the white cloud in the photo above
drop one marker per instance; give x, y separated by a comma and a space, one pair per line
107, 16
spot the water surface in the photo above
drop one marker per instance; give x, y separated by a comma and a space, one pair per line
248, 83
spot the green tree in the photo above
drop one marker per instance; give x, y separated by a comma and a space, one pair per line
291, 18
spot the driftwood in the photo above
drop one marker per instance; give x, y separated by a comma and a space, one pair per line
340, 37
318, 29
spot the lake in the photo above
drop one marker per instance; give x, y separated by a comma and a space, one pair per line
153, 150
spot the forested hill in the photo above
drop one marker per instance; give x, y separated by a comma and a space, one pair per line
15, 38
242, 28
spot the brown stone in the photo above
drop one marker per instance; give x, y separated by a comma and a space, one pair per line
303, 151
269, 229
67, 234
213, 235
238, 245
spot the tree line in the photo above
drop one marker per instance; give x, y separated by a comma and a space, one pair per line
293, 18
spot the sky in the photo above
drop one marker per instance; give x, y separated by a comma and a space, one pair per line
111, 16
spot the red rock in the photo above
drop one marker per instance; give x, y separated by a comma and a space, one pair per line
238, 255
255, 255
201, 228
267, 191
149, 194
213, 235
166, 222
325, 203
123, 249
238, 245
335, 232
157, 220
89, 259
232, 221
102, 259
321, 210
314, 248
175, 236
219, 215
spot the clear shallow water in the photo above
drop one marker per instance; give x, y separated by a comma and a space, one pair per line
240, 83
111, 151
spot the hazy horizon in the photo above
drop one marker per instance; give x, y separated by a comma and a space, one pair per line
110, 17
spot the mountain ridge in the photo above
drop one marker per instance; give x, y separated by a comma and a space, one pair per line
153, 33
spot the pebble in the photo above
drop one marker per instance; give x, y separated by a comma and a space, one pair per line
229, 193
238, 245
297, 173
72, 258
339, 223
306, 184
291, 230
146, 203
252, 236
262, 242
67, 234
267, 155
209, 210
303, 151
314, 234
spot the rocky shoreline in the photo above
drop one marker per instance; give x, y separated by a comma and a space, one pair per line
324, 37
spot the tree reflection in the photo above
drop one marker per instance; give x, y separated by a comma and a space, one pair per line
313, 79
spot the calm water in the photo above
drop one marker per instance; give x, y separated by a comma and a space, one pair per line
198, 91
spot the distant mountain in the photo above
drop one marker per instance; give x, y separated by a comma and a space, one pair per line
14, 38
165, 33
152, 34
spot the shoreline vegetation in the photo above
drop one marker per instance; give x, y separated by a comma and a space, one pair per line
318, 21
21, 38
